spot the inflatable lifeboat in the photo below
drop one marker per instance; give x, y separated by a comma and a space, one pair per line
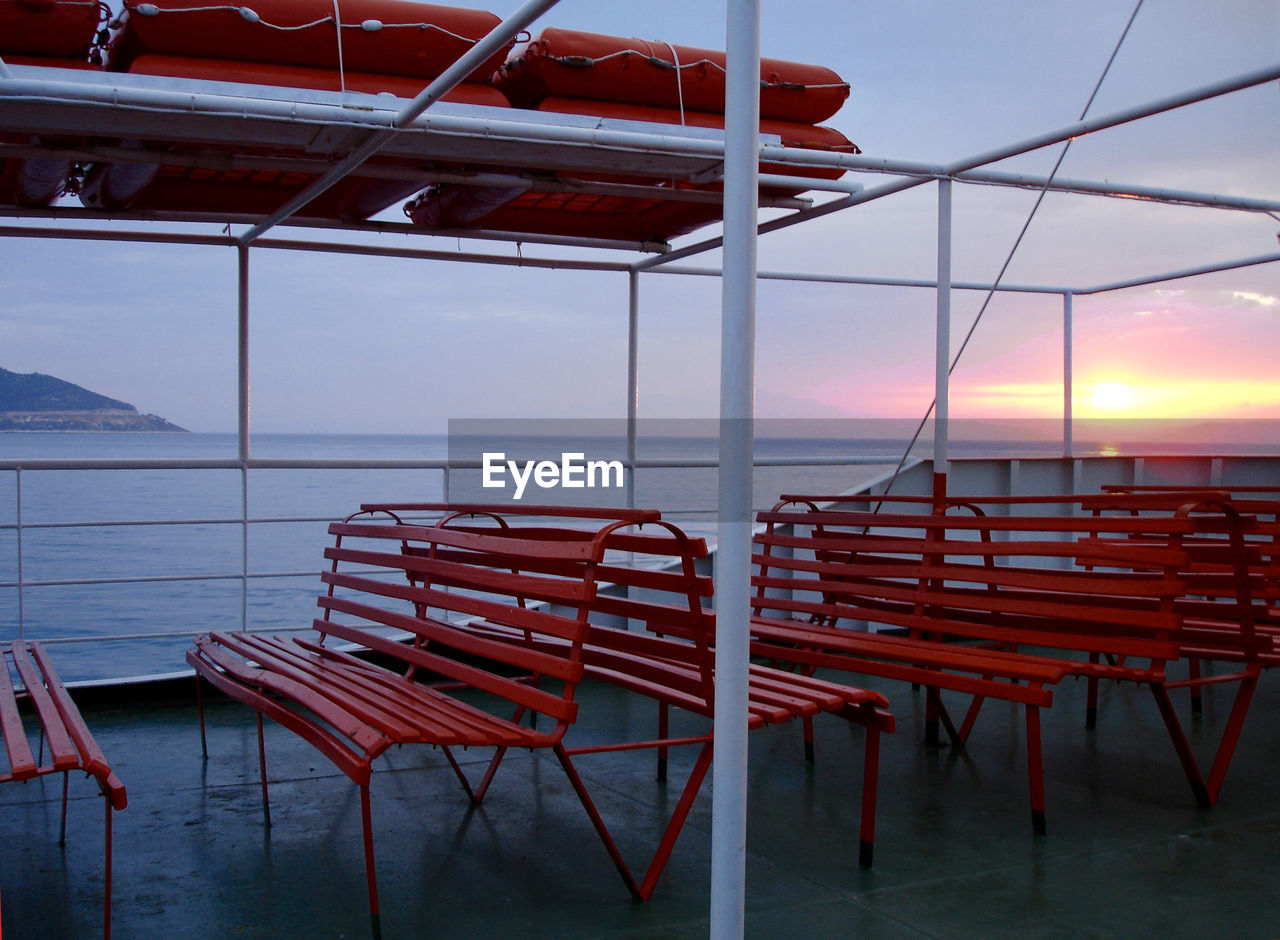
380, 46
51, 33
567, 71
565, 63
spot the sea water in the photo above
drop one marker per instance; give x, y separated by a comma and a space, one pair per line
151, 586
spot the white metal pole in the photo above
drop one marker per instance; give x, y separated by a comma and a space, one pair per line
242, 252
737, 393
633, 381
242, 358
942, 352
1068, 380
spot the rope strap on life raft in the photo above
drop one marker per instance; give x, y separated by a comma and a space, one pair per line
252, 16
586, 62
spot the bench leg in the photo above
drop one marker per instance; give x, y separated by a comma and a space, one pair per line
936, 715
1035, 769
488, 774
204, 740
262, 773
870, 782
664, 732
476, 793
1181, 745
931, 705
106, 876
1091, 705
971, 717
371, 878
62, 832
1235, 724
643, 890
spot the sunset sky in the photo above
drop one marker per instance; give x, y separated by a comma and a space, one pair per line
400, 346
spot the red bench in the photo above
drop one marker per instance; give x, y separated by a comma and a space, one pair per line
651, 634
1231, 608
1214, 584
986, 605
62, 730
503, 617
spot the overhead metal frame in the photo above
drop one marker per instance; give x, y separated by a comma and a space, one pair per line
115, 105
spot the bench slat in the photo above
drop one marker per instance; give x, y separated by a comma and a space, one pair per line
1136, 611
275, 653
22, 762
423, 701
585, 550
876, 568
216, 649
604, 573
91, 757
530, 618
448, 635
1019, 666
530, 696
62, 750
469, 574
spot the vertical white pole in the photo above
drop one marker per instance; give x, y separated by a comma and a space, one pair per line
22, 622
242, 256
942, 352
633, 382
737, 394
1068, 379
242, 252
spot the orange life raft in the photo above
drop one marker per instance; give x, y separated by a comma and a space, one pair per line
566, 63
57, 33
619, 218
573, 72
47, 29
393, 37
386, 46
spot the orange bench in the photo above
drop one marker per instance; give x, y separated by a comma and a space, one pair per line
1214, 585
991, 606
651, 634
1231, 609
62, 729
499, 613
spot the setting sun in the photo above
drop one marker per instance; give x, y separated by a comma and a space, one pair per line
1111, 396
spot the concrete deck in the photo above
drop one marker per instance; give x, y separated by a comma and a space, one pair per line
1127, 854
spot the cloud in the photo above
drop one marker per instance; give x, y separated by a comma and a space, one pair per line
1251, 298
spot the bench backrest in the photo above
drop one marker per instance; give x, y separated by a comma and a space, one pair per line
543, 590
1069, 583
1232, 572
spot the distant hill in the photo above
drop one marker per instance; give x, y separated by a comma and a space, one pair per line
36, 402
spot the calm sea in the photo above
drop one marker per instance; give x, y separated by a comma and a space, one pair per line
100, 527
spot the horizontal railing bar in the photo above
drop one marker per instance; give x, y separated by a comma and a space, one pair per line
154, 579
338, 464
217, 463
866, 280
167, 635
712, 462
152, 522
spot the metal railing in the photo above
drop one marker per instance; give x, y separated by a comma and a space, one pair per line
231, 566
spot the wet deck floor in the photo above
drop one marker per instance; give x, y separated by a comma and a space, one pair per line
1128, 852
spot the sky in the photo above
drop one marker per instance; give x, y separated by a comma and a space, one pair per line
396, 346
